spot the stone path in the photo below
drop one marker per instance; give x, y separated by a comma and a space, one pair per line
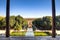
30, 38
29, 32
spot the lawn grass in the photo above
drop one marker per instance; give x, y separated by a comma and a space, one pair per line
22, 33
40, 34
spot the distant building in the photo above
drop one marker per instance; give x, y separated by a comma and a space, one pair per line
29, 20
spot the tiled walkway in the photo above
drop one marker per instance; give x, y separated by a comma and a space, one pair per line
30, 38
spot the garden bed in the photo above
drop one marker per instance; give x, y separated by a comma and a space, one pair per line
22, 33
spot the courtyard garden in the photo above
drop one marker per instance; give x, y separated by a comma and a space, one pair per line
19, 23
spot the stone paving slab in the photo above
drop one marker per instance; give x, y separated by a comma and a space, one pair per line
31, 38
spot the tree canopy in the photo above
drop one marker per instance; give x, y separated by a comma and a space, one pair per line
45, 23
15, 22
18, 23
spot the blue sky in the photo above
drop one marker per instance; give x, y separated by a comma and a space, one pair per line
29, 8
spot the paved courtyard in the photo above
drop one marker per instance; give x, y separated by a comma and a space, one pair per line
30, 38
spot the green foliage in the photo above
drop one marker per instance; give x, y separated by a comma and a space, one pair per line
58, 22
24, 25
16, 26
2, 23
12, 21
21, 33
41, 33
43, 23
1, 18
46, 23
40, 23
19, 22
15, 22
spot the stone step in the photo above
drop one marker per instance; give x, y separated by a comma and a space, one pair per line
30, 38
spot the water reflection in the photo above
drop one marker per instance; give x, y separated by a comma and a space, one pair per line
29, 32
